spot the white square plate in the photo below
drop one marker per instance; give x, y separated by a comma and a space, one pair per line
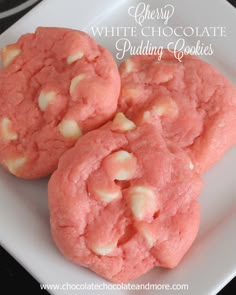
24, 216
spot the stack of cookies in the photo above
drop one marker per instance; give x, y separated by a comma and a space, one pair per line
126, 149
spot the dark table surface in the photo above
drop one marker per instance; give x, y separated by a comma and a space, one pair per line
12, 274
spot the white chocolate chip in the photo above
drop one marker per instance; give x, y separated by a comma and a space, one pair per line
123, 175
8, 54
160, 110
165, 106
70, 129
75, 81
147, 234
107, 196
191, 166
142, 200
120, 165
165, 78
74, 57
15, 164
122, 155
128, 65
103, 250
146, 115
149, 239
45, 98
137, 206
121, 123
6, 128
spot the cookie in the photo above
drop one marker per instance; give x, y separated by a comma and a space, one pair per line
196, 103
122, 201
56, 85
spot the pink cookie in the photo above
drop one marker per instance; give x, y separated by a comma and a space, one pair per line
122, 201
196, 104
56, 85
